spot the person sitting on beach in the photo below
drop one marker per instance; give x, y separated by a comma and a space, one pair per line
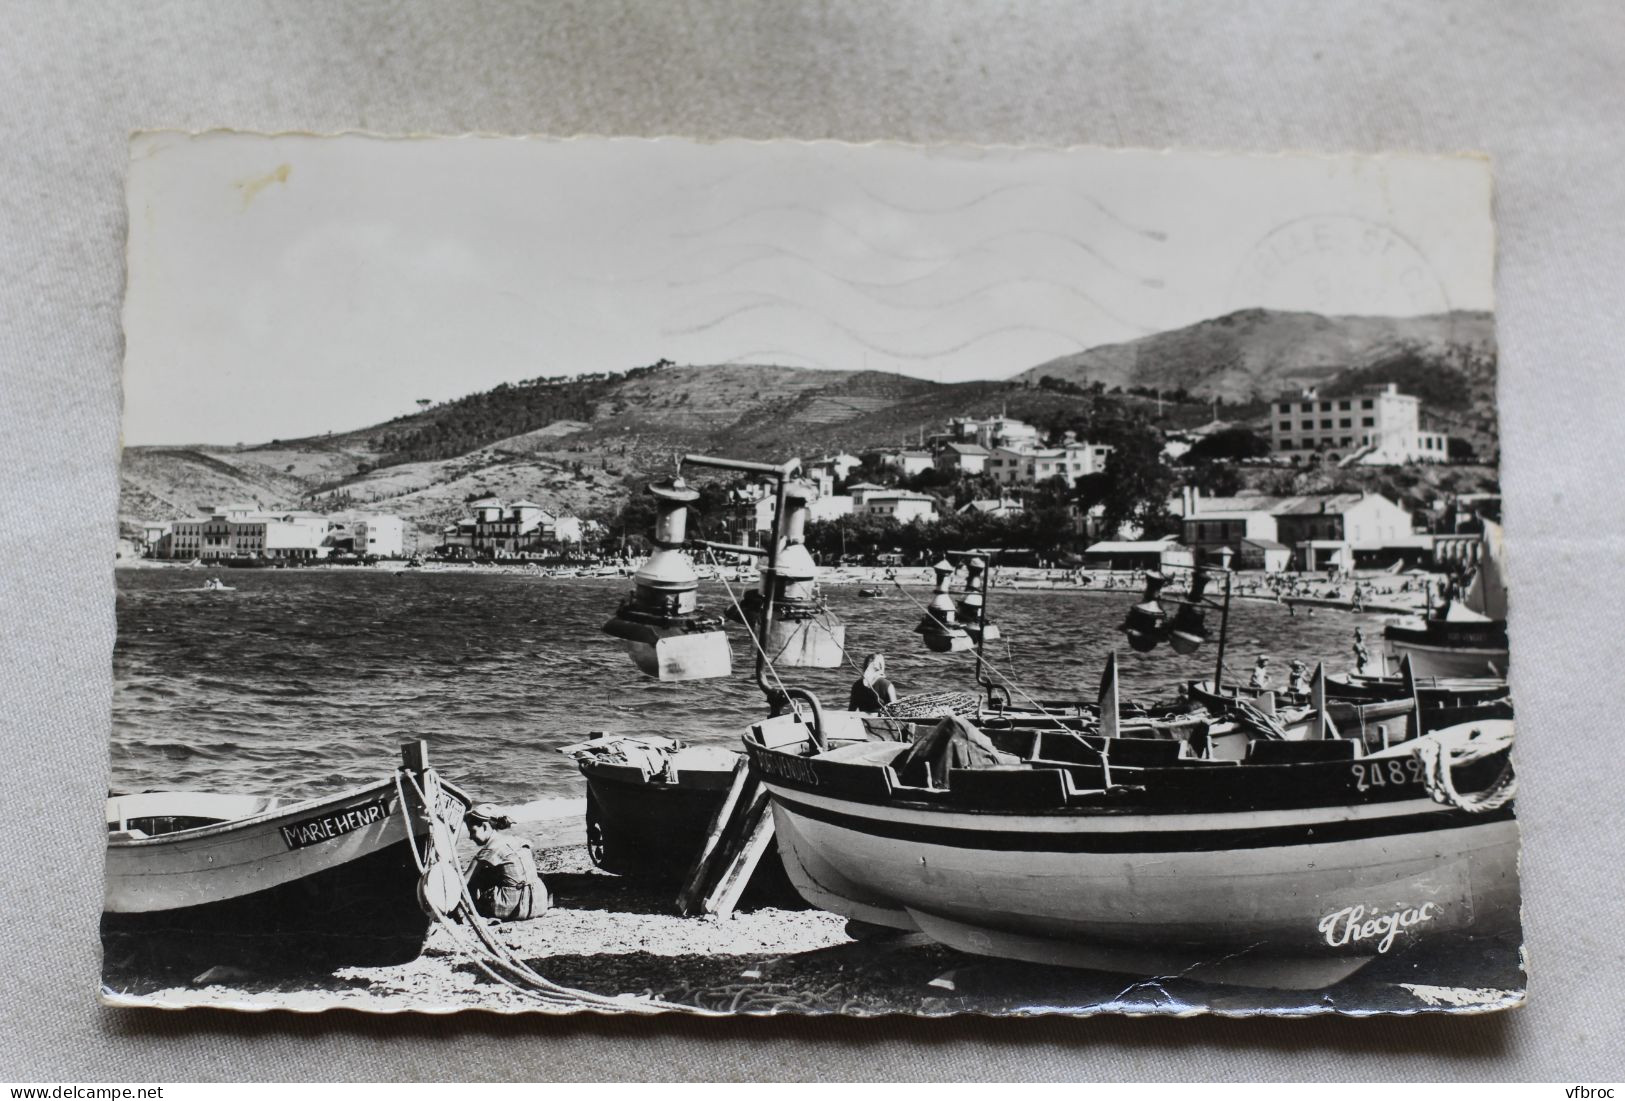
1261, 674
503, 877
872, 690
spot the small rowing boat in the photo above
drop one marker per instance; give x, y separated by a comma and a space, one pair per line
203, 878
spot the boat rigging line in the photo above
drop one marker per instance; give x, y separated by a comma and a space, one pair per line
439, 869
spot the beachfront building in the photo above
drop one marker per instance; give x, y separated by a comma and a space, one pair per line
1138, 554
239, 531
495, 530
1378, 426
1226, 528
368, 533
1321, 531
899, 505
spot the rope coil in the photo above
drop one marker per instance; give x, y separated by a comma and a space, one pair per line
1438, 764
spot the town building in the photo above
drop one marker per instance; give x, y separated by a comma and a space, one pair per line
902, 506
369, 534
910, 463
1377, 426
999, 508
839, 466
1031, 465
497, 530
832, 507
991, 432
239, 531
1321, 531
962, 458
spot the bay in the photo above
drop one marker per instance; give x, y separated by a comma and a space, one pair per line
306, 681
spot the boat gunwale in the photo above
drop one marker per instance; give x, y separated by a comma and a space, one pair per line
267, 816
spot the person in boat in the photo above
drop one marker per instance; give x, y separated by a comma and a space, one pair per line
502, 878
1362, 656
1261, 674
872, 690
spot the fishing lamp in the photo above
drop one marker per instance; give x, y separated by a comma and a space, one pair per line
939, 626
803, 633
972, 613
1146, 621
661, 624
1188, 630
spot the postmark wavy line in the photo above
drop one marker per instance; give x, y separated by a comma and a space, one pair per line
1026, 185
766, 298
983, 244
865, 340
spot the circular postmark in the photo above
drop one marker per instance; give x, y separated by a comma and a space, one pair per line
1338, 264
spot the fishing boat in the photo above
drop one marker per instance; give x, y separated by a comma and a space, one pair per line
1440, 691
201, 878
650, 800
1467, 636
1290, 868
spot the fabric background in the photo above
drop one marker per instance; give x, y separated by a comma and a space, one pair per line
1538, 87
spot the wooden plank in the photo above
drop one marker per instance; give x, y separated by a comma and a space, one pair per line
700, 872
754, 837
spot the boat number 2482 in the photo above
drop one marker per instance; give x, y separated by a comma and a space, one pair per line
1390, 772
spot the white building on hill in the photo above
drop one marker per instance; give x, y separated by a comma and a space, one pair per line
1378, 426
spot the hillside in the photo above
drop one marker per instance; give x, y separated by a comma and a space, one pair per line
573, 443
570, 443
1447, 359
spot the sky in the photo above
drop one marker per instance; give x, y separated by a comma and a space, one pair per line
284, 286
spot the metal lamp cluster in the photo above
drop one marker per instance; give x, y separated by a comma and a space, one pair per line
947, 627
670, 637
1148, 623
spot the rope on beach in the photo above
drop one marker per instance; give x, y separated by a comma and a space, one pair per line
495, 959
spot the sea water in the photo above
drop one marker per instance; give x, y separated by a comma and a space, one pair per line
306, 681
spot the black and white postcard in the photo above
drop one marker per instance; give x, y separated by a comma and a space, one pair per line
664, 577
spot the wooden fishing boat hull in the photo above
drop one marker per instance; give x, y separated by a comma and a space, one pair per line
1432, 691
1298, 892
322, 882
654, 831
639, 827
1447, 648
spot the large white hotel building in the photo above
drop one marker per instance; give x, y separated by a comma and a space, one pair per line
1377, 426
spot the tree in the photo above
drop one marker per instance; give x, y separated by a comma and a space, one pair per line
1233, 444
1217, 479
1138, 482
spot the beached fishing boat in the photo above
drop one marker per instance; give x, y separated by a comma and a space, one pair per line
204, 879
650, 801
1290, 868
